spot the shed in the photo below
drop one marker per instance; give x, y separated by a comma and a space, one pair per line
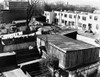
71, 53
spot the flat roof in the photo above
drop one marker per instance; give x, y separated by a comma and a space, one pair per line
58, 30
66, 31
90, 35
65, 43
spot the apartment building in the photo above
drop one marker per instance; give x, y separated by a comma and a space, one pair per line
87, 22
49, 16
65, 18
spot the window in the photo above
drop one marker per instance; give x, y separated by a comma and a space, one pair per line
74, 16
84, 26
83, 18
95, 18
69, 23
97, 26
61, 14
72, 22
70, 16
79, 24
65, 15
89, 26
56, 20
90, 17
45, 14
55, 14
65, 22
78, 17
48, 20
62, 21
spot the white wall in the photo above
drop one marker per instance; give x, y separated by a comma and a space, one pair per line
49, 16
76, 20
88, 40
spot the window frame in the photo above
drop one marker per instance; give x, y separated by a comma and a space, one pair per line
70, 16
84, 18
65, 15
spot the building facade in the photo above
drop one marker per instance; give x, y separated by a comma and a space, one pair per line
15, 4
13, 10
49, 16
87, 22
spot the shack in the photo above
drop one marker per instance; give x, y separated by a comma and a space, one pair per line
72, 54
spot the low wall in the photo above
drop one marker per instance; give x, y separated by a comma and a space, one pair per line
88, 40
18, 46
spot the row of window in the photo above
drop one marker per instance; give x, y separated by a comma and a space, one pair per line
72, 23
80, 25
68, 22
89, 26
83, 17
70, 16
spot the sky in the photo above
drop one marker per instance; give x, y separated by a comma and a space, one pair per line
95, 3
1, 0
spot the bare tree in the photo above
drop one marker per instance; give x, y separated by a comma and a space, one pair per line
62, 6
34, 9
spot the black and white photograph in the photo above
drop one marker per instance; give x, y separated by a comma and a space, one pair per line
49, 38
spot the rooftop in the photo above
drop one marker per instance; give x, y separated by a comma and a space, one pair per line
90, 35
65, 43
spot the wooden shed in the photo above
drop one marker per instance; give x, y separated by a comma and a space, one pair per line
71, 53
